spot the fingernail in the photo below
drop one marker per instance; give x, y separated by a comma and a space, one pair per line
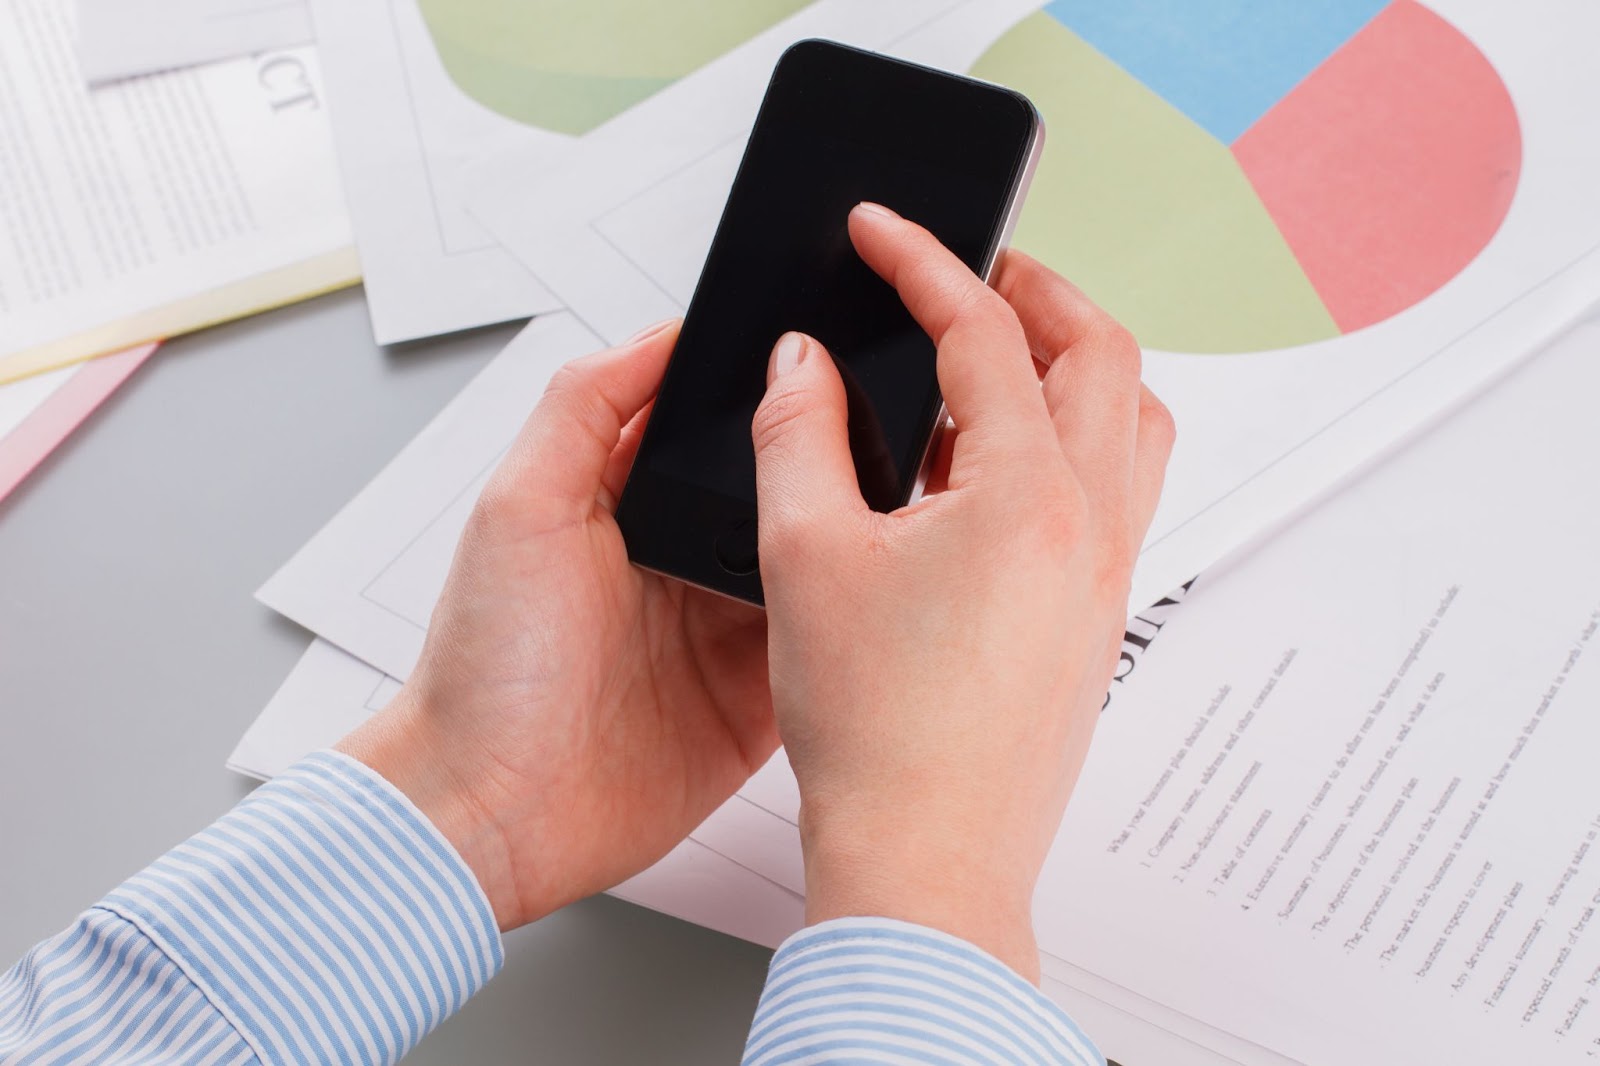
867, 207
789, 353
650, 331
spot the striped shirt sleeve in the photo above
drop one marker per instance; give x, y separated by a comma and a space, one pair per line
872, 990
324, 919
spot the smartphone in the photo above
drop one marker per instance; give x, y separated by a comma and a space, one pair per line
838, 126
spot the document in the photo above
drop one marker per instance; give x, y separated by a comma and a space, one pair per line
39, 412
1367, 212
158, 204
1343, 811
422, 88
1347, 808
121, 38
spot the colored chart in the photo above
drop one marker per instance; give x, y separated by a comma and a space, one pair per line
568, 65
1243, 175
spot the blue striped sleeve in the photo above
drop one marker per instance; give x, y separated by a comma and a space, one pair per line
872, 990
323, 920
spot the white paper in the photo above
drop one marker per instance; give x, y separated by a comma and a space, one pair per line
404, 131
1404, 685
325, 697
156, 189
121, 38
619, 235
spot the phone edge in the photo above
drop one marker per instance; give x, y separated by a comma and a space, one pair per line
1008, 228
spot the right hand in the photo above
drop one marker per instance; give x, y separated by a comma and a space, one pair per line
937, 672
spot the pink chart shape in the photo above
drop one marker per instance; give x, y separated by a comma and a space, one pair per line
1391, 167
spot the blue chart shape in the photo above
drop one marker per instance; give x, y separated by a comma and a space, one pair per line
1224, 63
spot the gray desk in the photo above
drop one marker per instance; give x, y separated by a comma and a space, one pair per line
132, 657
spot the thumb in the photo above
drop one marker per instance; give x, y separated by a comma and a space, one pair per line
802, 439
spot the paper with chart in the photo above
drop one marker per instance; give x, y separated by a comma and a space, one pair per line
330, 692
121, 38
422, 88
1320, 254
158, 204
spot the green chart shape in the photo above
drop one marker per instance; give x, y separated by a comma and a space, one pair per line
1145, 210
569, 65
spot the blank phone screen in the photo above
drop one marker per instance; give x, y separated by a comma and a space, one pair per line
828, 138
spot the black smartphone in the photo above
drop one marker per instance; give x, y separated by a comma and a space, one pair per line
838, 126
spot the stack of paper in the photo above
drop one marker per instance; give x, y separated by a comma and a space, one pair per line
1334, 808
159, 204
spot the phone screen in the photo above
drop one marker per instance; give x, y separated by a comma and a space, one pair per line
837, 127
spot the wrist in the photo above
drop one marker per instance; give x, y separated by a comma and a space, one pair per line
400, 745
924, 875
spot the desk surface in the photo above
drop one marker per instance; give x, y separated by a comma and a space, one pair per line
132, 657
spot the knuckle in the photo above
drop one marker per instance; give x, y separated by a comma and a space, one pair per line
792, 540
982, 308
572, 395
1059, 381
496, 505
1117, 345
569, 379
1156, 418
782, 414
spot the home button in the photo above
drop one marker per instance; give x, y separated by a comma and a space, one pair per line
736, 548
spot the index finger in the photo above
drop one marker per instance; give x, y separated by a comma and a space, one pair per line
985, 369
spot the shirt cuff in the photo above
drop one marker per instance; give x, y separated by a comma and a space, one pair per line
875, 989
325, 916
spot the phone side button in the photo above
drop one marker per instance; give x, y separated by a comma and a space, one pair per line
737, 548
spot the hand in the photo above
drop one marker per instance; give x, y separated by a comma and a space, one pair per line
937, 672
572, 717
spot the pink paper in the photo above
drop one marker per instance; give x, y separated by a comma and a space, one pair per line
36, 436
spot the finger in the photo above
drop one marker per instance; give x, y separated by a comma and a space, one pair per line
622, 457
1157, 433
578, 423
984, 372
802, 439
1092, 385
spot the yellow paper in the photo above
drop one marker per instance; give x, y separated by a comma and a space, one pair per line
325, 273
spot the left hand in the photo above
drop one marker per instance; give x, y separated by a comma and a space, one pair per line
572, 717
